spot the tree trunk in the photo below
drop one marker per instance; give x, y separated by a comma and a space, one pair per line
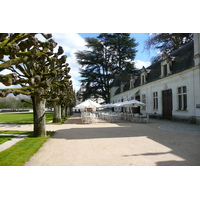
39, 116
57, 113
63, 111
68, 110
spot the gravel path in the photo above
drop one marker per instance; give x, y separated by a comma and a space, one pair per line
177, 126
159, 142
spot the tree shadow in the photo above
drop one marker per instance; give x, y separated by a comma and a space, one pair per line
184, 145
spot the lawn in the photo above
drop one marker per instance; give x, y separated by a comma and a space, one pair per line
21, 152
5, 138
21, 118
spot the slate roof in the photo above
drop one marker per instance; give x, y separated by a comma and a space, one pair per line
183, 61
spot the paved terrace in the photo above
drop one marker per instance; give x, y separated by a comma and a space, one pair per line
158, 143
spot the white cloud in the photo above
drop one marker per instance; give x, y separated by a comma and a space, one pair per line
139, 64
71, 43
76, 84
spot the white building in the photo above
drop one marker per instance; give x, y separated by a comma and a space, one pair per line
169, 88
79, 96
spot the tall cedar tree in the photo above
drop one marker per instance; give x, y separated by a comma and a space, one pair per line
166, 42
108, 54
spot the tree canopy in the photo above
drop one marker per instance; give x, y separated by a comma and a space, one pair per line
106, 56
166, 42
36, 67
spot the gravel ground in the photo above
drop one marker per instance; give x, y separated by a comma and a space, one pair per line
158, 143
178, 126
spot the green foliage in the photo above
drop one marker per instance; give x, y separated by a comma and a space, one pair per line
16, 132
166, 42
21, 152
41, 72
106, 57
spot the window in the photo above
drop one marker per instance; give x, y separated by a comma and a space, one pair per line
155, 100
182, 98
144, 101
143, 79
165, 71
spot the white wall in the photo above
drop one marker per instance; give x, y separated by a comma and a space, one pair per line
189, 78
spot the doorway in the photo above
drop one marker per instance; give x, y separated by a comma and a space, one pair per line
167, 104
136, 109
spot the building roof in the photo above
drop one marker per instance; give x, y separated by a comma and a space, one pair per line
183, 61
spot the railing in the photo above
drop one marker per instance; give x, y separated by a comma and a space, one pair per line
14, 110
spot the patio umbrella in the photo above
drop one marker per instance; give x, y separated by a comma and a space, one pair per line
88, 104
109, 105
119, 104
131, 103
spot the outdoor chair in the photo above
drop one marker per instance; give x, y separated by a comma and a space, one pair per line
145, 118
94, 118
136, 118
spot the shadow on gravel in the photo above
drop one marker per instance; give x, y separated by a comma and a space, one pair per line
185, 145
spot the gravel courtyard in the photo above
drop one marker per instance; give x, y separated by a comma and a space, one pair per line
158, 143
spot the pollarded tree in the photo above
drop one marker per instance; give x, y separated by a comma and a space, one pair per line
68, 100
34, 65
59, 86
9, 47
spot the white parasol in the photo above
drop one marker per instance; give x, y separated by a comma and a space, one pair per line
88, 104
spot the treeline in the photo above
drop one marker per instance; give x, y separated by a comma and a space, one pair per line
20, 101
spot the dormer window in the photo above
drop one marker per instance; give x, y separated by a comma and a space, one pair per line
132, 82
166, 65
165, 71
143, 75
143, 79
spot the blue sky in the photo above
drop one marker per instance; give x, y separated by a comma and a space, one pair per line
73, 42
142, 57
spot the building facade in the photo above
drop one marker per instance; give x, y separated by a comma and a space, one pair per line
170, 88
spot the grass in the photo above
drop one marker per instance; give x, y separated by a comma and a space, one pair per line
21, 118
15, 132
26, 118
62, 120
21, 152
5, 138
